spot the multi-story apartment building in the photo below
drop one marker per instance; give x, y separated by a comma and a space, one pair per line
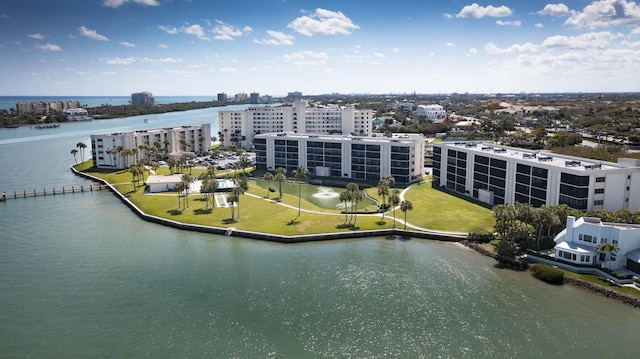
143, 99
174, 141
222, 97
506, 175
43, 107
338, 156
254, 97
238, 127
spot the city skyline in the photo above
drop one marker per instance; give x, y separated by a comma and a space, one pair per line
195, 47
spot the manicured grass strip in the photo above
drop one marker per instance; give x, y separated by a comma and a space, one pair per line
599, 281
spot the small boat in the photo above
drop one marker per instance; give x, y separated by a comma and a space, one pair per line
146, 120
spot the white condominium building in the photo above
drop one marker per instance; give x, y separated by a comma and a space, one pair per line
173, 141
506, 175
434, 113
239, 127
338, 156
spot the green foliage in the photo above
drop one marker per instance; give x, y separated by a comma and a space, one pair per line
547, 273
481, 237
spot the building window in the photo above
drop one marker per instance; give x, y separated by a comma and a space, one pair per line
599, 179
599, 191
598, 202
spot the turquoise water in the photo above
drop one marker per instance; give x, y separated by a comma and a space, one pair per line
80, 277
7, 102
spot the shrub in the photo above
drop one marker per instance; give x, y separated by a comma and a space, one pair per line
495, 242
480, 237
547, 273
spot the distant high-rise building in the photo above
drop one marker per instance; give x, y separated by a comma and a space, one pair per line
143, 99
240, 97
296, 95
254, 97
222, 97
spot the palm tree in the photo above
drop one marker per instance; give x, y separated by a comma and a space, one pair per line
243, 163
208, 188
280, 176
404, 207
74, 152
242, 187
186, 179
356, 196
81, 146
607, 248
301, 175
179, 187
394, 200
232, 198
269, 177
345, 197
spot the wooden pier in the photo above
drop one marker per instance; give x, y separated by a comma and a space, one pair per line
53, 192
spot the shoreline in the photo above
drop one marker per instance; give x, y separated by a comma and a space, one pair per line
271, 237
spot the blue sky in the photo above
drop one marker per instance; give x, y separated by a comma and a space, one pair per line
202, 47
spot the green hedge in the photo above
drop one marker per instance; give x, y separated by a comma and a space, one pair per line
547, 273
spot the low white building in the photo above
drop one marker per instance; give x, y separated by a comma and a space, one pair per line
106, 149
433, 113
579, 241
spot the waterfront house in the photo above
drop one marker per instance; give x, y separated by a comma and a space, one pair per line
579, 241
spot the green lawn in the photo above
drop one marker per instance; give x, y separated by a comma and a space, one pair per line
600, 281
432, 209
435, 209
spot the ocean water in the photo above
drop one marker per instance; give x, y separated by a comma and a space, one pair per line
82, 277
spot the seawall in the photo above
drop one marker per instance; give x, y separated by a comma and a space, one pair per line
269, 236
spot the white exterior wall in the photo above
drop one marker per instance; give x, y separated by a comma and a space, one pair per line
627, 237
297, 118
435, 113
134, 139
621, 185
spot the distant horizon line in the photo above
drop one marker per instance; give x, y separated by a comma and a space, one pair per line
367, 94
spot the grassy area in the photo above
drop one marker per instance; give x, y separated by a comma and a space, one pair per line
438, 210
264, 214
600, 281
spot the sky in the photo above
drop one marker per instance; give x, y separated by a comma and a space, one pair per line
204, 47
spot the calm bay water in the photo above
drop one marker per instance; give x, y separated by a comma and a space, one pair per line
80, 276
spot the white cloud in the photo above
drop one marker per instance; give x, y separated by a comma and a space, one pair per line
197, 31
555, 10
49, 47
491, 48
163, 46
600, 40
476, 11
117, 3
447, 16
305, 58
432, 54
324, 22
450, 44
168, 29
36, 36
127, 44
110, 73
4, 16
228, 69
538, 25
604, 13
395, 49
165, 60
276, 38
472, 51
508, 23
119, 61
228, 32
92, 34
378, 54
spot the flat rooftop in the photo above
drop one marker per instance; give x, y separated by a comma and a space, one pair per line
401, 138
535, 157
